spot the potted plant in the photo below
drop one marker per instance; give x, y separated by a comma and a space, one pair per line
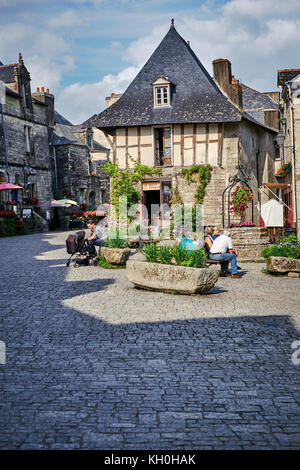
283, 256
240, 200
171, 269
284, 170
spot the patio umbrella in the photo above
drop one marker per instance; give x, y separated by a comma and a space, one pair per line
67, 201
8, 186
53, 203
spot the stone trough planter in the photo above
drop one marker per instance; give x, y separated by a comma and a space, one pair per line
170, 278
115, 255
279, 264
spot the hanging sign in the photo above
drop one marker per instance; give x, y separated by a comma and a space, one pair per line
151, 186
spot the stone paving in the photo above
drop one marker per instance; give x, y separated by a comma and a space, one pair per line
93, 363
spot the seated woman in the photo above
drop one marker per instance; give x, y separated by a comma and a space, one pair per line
208, 238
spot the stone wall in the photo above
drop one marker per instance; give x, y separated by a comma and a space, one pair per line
250, 241
24, 166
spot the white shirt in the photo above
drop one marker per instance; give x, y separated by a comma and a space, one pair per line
221, 244
100, 231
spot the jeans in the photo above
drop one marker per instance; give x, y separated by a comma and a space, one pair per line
223, 258
93, 243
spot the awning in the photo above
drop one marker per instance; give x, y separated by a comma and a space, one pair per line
276, 185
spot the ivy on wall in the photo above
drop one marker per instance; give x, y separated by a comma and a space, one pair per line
122, 181
200, 174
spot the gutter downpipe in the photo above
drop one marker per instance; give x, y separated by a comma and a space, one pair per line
293, 156
55, 167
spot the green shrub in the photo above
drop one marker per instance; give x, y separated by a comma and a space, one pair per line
288, 247
180, 257
192, 259
116, 242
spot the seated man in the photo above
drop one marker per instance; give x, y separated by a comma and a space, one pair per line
97, 236
222, 251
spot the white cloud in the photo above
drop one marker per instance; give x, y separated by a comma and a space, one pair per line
257, 36
78, 101
68, 18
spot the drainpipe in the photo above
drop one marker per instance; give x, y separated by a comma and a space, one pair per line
4, 139
55, 169
293, 156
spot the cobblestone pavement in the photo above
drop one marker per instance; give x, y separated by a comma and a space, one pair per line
93, 363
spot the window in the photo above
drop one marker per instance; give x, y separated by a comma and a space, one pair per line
163, 149
161, 91
162, 96
28, 139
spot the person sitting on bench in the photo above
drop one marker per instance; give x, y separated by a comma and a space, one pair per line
222, 251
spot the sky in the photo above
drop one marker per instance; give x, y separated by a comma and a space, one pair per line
83, 50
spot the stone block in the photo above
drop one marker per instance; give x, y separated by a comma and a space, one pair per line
291, 274
169, 278
279, 264
115, 255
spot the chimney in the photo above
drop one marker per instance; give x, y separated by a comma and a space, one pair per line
226, 81
48, 99
112, 99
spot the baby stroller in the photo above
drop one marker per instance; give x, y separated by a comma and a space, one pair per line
76, 245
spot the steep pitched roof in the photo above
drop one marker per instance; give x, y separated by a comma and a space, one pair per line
196, 97
59, 119
286, 75
63, 135
253, 99
7, 73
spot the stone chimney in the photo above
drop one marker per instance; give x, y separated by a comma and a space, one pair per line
226, 81
48, 99
112, 99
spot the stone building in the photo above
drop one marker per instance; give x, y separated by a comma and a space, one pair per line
78, 162
289, 176
174, 115
42, 151
24, 136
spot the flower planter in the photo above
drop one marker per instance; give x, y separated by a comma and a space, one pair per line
280, 264
170, 278
115, 255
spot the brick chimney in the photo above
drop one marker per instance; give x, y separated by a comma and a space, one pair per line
112, 99
226, 81
48, 99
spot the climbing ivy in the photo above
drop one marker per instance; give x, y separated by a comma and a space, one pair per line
204, 172
122, 181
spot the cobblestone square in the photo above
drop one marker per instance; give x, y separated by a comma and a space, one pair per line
93, 363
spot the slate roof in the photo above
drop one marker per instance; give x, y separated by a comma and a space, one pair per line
286, 75
196, 98
7, 73
63, 135
253, 99
59, 119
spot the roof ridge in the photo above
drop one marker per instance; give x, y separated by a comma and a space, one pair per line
8, 65
288, 70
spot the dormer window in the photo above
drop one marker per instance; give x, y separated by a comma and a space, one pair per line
161, 92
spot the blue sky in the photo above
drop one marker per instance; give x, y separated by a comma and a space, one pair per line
85, 49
